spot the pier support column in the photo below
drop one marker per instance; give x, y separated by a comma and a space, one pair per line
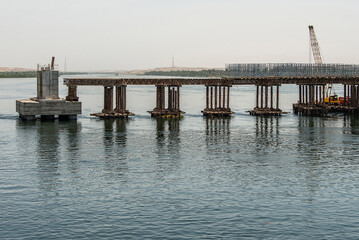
173, 102
265, 105
257, 97
207, 97
121, 99
217, 99
345, 102
72, 93
108, 99
120, 110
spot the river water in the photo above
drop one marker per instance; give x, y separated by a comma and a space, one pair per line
288, 177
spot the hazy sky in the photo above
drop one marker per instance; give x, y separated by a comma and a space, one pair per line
138, 34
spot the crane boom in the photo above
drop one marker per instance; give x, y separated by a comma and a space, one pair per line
315, 46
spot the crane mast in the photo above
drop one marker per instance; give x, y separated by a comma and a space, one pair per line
317, 56
315, 46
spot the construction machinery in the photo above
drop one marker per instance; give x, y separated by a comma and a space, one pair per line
330, 98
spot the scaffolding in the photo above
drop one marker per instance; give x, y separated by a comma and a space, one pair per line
291, 70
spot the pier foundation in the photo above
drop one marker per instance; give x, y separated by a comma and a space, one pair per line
120, 110
173, 102
47, 104
217, 101
313, 101
267, 101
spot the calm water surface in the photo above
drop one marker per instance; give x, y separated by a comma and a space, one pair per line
286, 177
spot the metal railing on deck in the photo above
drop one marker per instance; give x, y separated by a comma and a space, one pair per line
291, 70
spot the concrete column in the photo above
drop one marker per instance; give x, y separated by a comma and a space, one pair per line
306, 94
207, 97
108, 99
257, 97
266, 97
228, 98
215, 97
117, 98
178, 98
277, 97
262, 96
157, 97
169, 98
71, 93
345, 94
271, 97
300, 94
323, 93
316, 94
211, 97
219, 96
163, 99
224, 98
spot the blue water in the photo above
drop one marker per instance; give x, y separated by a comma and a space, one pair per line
247, 177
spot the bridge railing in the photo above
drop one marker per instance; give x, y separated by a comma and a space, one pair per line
291, 70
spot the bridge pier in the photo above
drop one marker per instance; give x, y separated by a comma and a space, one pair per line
217, 101
312, 100
120, 110
265, 101
47, 104
173, 102
72, 94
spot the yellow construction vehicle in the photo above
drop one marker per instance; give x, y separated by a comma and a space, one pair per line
332, 100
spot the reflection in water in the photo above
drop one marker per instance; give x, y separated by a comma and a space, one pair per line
168, 151
48, 155
72, 143
115, 146
218, 131
116, 136
267, 131
312, 146
351, 123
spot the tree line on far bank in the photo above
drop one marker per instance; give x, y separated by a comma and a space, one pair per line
30, 74
185, 73
18, 74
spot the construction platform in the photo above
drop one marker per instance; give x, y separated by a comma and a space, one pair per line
217, 112
28, 109
166, 113
113, 114
323, 109
48, 104
266, 112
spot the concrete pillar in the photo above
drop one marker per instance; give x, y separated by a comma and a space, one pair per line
207, 97
47, 84
277, 97
219, 96
178, 98
211, 97
271, 97
316, 94
215, 97
72, 93
224, 98
262, 96
266, 97
300, 94
345, 94
228, 98
108, 99
257, 97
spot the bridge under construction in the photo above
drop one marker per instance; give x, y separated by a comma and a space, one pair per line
267, 78
314, 83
